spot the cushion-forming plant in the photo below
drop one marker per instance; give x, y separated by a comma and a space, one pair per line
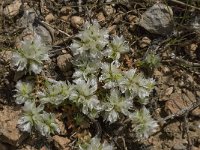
99, 86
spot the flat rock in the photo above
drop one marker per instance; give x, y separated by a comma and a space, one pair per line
158, 19
8, 130
12, 9
61, 143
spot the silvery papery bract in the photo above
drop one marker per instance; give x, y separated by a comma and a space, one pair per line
48, 124
135, 84
31, 116
110, 75
86, 70
30, 56
142, 123
55, 92
95, 144
116, 47
83, 95
115, 105
24, 91
35, 116
92, 40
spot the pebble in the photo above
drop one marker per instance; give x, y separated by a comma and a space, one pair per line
77, 21
158, 19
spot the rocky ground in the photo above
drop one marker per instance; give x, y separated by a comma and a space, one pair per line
169, 29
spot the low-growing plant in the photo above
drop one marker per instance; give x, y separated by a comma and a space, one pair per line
95, 144
97, 68
30, 56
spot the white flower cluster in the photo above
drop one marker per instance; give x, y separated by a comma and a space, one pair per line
36, 117
142, 123
54, 92
30, 56
116, 104
84, 96
100, 87
135, 84
24, 92
95, 144
92, 41
97, 67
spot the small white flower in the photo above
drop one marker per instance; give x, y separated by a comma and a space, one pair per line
48, 124
86, 69
95, 144
55, 92
116, 47
30, 117
142, 123
92, 40
24, 91
115, 105
30, 56
110, 75
83, 94
136, 85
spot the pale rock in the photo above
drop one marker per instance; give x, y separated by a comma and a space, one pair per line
144, 42
108, 10
12, 9
8, 126
64, 62
6, 55
65, 18
179, 146
50, 17
169, 91
100, 17
158, 19
61, 143
77, 21
112, 29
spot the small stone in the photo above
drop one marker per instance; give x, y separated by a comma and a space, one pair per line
61, 125
65, 18
6, 55
198, 93
66, 10
132, 19
112, 29
144, 42
108, 10
194, 148
77, 21
8, 130
196, 112
64, 62
61, 143
118, 18
169, 91
165, 69
191, 96
179, 146
50, 17
158, 19
100, 17
12, 9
